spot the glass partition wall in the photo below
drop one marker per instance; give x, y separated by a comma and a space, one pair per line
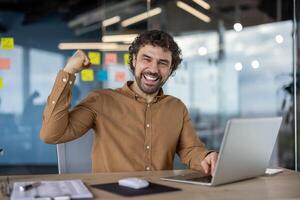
296, 67
240, 60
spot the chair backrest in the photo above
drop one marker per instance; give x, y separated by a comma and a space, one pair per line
75, 156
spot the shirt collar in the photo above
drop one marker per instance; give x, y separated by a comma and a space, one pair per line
129, 92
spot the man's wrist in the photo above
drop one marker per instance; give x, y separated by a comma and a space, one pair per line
209, 152
69, 71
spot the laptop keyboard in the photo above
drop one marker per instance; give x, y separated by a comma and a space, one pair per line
197, 177
204, 179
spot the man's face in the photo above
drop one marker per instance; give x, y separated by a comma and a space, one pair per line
152, 68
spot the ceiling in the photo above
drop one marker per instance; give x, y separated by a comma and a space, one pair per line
84, 16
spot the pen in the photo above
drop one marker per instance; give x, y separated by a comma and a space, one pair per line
53, 198
29, 186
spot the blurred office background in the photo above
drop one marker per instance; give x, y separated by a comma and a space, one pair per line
241, 59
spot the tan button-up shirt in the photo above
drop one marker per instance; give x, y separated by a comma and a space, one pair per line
130, 134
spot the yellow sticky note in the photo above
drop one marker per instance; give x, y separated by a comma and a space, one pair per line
126, 59
94, 58
7, 43
87, 75
1, 83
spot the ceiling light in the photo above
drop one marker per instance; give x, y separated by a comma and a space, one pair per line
94, 45
141, 17
111, 21
119, 38
255, 64
238, 27
238, 66
83, 30
203, 4
193, 11
202, 51
279, 39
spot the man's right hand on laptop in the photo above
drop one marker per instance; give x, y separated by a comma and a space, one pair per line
209, 162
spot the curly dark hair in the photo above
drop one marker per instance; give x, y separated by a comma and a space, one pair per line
155, 38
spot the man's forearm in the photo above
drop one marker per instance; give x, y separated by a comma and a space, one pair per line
55, 117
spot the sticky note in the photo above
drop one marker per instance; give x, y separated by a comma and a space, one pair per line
111, 58
4, 63
94, 57
102, 75
120, 76
87, 75
126, 58
7, 43
1, 83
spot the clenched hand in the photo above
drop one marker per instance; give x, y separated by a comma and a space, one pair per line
77, 62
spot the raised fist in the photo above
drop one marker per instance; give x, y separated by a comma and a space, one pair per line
77, 62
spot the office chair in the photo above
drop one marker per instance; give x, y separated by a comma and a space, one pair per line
75, 156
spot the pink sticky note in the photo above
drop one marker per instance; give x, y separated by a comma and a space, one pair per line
111, 58
120, 76
4, 63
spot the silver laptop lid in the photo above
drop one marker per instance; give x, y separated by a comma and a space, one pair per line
246, 149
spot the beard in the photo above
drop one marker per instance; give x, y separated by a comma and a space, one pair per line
149, 82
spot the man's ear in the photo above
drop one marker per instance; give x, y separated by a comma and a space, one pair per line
134, 60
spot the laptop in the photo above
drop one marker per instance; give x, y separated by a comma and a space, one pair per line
245, 152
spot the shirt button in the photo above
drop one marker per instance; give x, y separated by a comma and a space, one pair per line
70, 82
148, 125
53, 102
147, 147
64, 80
148, 168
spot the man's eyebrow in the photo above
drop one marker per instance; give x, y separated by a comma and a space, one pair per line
147, 56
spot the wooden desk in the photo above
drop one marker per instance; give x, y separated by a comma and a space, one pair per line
285, 185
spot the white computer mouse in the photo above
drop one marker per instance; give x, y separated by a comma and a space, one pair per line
133, 182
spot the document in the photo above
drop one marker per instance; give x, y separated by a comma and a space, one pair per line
271, 171
67, 189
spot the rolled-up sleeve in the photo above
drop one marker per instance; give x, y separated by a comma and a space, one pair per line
61, 125
190, 148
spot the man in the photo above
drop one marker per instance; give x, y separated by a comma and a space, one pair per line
136, 127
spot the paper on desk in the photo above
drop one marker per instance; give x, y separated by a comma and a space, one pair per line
271, 171
75, 189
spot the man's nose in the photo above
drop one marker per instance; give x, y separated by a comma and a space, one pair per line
154, 67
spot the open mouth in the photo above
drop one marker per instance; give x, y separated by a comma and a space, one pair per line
150, 77
149, 82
